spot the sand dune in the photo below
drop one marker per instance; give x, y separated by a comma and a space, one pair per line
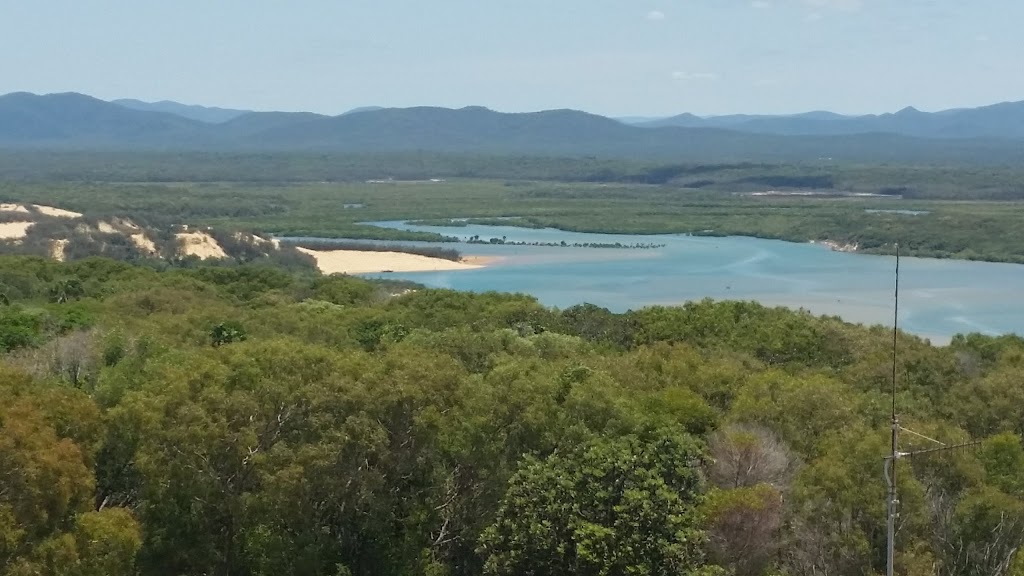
357, 262
143, 243
200, 244
107, 228
14, 230
13, 208
56, 212
57, 249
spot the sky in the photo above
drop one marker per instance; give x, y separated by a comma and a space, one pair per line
610, 57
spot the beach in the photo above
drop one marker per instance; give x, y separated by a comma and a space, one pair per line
359, 262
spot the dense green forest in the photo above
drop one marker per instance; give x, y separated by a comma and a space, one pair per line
947, 180
245, 420
967, 214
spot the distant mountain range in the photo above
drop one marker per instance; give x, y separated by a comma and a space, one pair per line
208, 114
1005, 120
989, 134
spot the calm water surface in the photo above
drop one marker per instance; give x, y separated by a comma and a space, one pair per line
939, 298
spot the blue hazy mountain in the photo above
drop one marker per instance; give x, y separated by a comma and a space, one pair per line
1005, 120
990, 134
208, 114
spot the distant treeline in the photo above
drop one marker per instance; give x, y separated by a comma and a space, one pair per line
918, 180
564, 244
428, 251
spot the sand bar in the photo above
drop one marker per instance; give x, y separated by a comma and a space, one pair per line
360, 262
14, 230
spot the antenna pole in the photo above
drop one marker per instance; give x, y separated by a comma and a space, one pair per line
890, 462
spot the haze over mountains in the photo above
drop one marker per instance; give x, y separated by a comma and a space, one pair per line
987, 134
1005, 120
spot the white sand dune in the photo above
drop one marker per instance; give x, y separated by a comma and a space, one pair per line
107, 228
57, 248
359, 262
14, 230
13, 208
200, 244
56, 212
143, 243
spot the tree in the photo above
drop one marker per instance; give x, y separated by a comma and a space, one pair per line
610, 507
747, 455
72, 358
743, 527
226, 333
44, 476
66, 290
978, 534
752, 467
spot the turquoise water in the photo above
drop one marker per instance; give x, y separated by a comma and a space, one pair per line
939, 298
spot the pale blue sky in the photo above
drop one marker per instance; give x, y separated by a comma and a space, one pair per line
615, 57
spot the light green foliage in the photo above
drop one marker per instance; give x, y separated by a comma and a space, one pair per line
1003, 459
362, 429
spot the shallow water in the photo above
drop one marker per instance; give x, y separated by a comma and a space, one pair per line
938, 298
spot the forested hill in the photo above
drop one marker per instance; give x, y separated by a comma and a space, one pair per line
81, 122
246, 421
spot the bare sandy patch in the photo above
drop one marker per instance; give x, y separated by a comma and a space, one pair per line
200, 244
56, 212
107, 228
14, 230
57, 248
143, 243
13, 208
359, 262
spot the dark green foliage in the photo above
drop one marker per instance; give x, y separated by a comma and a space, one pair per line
549, 194
17, 329
599, 325
226, 333
66, 290
607, 507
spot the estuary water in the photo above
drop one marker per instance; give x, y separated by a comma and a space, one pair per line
938, 298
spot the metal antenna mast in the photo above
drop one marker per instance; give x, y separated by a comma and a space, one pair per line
890, 463
889, 469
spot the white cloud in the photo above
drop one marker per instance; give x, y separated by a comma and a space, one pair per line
686, 76
655, 15
813, 17
760, 4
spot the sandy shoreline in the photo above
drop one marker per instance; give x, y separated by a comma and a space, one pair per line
361, 262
